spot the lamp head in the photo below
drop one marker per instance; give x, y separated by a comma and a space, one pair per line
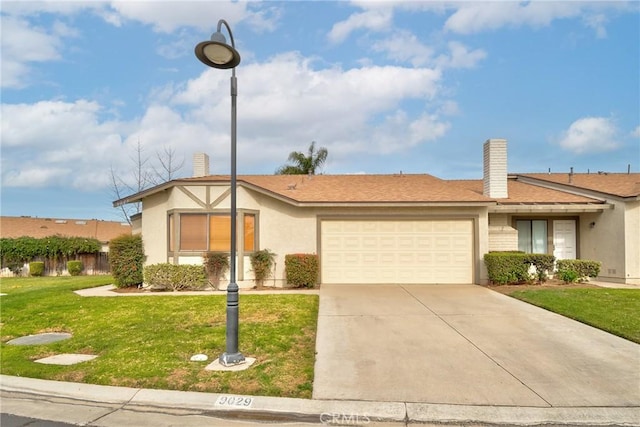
217, 53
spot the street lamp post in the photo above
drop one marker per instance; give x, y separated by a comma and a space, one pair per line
217, 53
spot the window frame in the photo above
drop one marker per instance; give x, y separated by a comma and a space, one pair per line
173, 228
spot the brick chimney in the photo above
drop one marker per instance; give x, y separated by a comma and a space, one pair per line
495, 169
200, 165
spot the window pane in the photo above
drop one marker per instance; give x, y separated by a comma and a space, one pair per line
171, 234
539, 236
220, 233
524, 235
193, 232
249, 233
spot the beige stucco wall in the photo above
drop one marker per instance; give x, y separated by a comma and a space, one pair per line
632, 242
604, 241
283, 228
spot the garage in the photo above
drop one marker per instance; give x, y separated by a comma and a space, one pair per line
396, 251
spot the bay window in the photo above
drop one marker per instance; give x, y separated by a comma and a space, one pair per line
202, 232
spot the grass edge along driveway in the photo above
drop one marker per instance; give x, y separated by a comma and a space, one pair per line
616, 311
146, 342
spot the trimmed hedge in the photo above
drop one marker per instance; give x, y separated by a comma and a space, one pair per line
513, 267
302, 270
75, 267
175, 277
36, 268
572, 270
126, 255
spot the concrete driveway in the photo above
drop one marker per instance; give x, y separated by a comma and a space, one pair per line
465, 344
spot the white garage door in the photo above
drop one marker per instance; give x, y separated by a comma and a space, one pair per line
406, 251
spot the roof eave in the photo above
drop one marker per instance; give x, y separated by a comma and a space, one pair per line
551, 208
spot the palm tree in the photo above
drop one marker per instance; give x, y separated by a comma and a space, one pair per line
302, 164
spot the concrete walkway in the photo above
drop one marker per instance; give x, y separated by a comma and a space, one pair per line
466, 345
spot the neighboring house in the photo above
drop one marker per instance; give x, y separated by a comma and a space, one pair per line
398, 228
103, 231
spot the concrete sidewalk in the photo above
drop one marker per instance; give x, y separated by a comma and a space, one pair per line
104, 406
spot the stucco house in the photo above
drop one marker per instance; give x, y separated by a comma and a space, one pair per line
400, 228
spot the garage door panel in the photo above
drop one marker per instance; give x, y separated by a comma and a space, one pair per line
408, 251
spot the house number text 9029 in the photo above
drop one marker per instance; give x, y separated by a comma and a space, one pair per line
235, 401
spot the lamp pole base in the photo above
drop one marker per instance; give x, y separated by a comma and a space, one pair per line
231, 359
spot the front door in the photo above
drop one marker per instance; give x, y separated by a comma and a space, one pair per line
564, 239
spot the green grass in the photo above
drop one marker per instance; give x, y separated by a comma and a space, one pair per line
148, 341
613, 310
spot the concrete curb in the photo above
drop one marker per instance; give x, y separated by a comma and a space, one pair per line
328, 412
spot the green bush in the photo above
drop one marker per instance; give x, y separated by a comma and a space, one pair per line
75, 267
567, 276
302, 270
126, 255
261, 263
581, 267
507, 267
513, 267
216, 265
36, 268
175, 277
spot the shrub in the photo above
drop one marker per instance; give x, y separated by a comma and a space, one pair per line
513, 267
126, 255
581, 267
159, 275
567, 276
36, 268
301, 270
543, 264
74, 267
261, 263
507, 267
216, 265
175, 277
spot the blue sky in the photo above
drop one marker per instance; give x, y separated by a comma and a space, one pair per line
384, 86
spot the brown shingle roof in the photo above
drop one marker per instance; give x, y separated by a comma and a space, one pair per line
520, 192
400, 188
617, 184
104, 231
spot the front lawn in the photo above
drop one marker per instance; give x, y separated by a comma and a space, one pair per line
147, 341
613, 310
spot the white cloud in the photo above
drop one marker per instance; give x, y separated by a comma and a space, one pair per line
590, 135
25, 43
354, 111
470, 18
53, 141
636, 132
374, 18
476, 17
403, 46
22, 44
460, 56
165, 17
34, 177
